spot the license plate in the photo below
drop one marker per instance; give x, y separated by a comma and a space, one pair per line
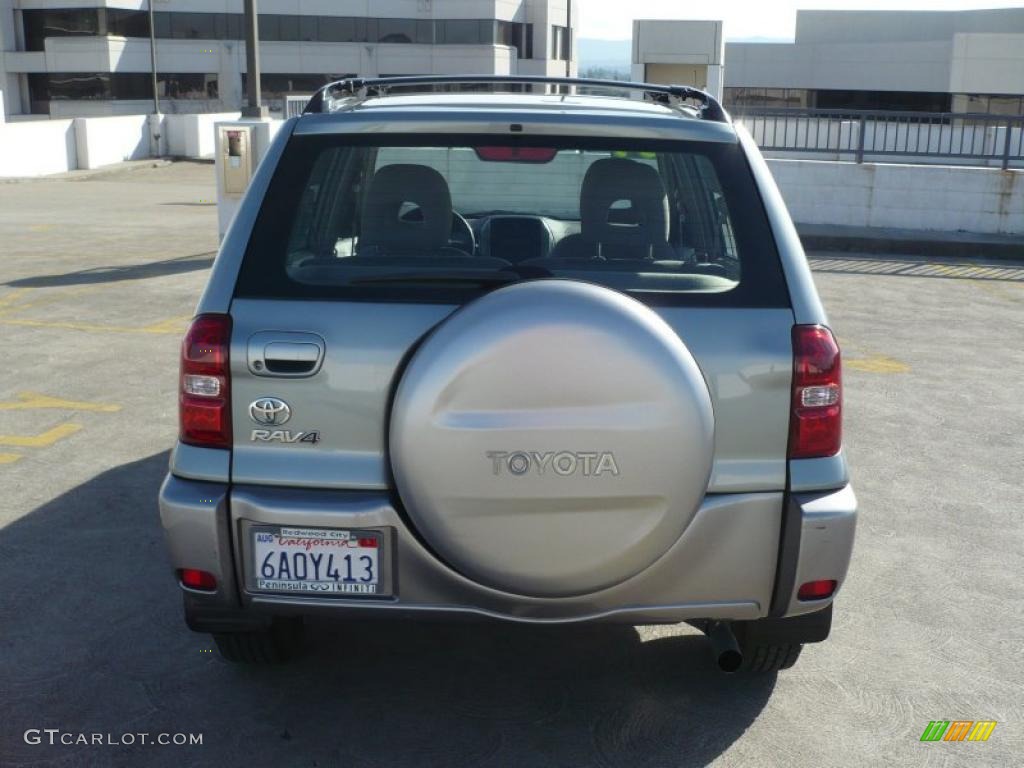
316, 560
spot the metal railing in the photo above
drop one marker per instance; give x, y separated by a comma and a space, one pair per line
294, 103
982, 138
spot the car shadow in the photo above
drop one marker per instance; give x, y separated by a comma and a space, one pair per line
142, 271
94, 642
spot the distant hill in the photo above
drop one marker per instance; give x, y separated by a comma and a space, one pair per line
758, 39
610, 55
610, 59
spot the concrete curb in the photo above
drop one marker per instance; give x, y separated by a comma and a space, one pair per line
86, 175
911, 242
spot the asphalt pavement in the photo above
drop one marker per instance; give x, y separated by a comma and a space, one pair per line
97, 280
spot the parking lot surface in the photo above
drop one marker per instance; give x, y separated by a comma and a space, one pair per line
97, 280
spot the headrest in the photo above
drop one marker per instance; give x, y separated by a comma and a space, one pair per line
623, 202
395, 190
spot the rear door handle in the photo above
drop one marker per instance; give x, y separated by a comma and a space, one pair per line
285, 354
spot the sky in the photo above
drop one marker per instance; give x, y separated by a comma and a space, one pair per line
613, 19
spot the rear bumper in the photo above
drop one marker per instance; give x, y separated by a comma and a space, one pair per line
827, 524
723, 567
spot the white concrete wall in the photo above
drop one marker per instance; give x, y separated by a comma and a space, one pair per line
988, 63
41, 147
919, 66
926, 197
198, 138
934, 51
108, 140
37, 147
901, 26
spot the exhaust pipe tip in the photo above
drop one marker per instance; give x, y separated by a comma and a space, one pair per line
723, 643
730, 661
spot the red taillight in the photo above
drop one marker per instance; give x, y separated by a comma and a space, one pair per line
194, 579
204, 396
816, 422
816, 590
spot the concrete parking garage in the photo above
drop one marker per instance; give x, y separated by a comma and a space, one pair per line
97, 279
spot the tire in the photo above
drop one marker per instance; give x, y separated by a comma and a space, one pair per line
275, 645
761, 659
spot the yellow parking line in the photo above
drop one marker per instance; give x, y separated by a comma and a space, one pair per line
34, 400
876, 364
47, 438
50, 298
9, 458
13, 296
91, 327
171, 325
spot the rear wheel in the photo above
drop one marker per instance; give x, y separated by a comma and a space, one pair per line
281, 641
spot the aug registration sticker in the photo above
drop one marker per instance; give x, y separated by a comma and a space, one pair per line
316, 560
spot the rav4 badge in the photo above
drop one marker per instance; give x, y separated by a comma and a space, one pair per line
284, 436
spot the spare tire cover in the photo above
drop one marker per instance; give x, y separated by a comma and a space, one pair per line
552, 438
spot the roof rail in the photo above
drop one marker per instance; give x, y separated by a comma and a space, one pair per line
363, 88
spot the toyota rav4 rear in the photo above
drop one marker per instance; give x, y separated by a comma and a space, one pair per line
537, 358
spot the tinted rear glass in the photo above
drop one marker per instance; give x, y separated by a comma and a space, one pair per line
431, 218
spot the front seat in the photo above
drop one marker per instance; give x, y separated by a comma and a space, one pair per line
407, 212
624, 214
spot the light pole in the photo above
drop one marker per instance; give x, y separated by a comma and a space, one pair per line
154, 122
252, 63
152, 60
569, 34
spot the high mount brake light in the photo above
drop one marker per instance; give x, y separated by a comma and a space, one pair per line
516, 154
816, 418
204, 397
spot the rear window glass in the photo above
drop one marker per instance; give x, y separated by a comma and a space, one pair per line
444, 218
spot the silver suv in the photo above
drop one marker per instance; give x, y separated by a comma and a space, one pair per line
470, 349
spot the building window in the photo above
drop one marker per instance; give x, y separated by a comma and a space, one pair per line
274, 86
893, 101
269, 27
463, 32
116, 86
39, 25
121, 23
188, 86
396, 30
333, 29
561, 43
193, 26
785, 98
1010, 106
176, 25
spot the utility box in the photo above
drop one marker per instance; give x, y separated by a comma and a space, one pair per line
236, 162
241, 145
